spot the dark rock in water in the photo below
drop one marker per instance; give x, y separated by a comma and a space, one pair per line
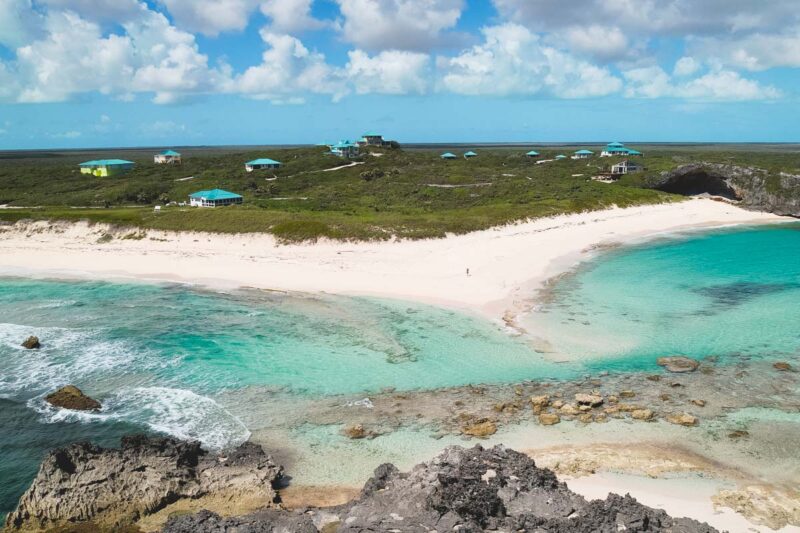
678, 364
115, 487
71, 397
755, 188
782, 366
32, 343
466, 490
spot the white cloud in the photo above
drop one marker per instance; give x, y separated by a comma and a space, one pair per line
601, 42
288, 69
654, 82
211, 17
116, 11
753, 52
398, 24
290, 16
19, 23
389, 72
72, 134
686, 66
513, 61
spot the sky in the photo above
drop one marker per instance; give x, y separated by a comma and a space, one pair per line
107, 73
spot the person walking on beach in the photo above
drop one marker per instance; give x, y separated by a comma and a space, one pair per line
467, 271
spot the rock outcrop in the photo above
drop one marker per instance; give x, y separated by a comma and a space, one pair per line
116, 487
678, 364
466, 490
755, 188
32, 343
71, 397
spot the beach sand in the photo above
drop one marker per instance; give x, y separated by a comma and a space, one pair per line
507, 266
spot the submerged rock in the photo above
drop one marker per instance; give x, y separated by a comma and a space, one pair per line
782, 366
71, 397
116, 487
31, 343
482, 428
678, 364
683, 419
466, 490
356, 431
549, 419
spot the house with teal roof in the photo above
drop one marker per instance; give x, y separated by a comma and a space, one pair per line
261, 164
470, 154
106, 167
167, 157
583, 154
448, 155
346, 149
617, 149
214, 198
561, 156
532, 153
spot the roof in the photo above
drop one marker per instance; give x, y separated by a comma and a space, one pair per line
170, 152
615, 145
532, 152
634, 152
470, 154
263, 161
106, 163
448, 155
561, 156
584, 152
215, 194
344, 144
369, 134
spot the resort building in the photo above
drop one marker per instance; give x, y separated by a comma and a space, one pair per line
346, 149
106, 167
214, 198
470, 154
167, 157
261, 164
583, 154
618, 149
448, 155
371, 139
561, 156
626, 167
532, 153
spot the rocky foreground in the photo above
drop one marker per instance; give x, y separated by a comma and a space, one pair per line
466, 490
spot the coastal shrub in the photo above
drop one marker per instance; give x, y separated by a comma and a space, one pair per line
301, 230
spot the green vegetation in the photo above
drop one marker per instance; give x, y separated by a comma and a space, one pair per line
407, 193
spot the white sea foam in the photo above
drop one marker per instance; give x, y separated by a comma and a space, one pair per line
176, 412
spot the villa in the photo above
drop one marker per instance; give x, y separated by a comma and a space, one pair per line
214, 198
618, 149
371, 139
626, 167
470, 154
261, 164
167, 157
346, 149
583, 154
106, 167
532, 153
448, 155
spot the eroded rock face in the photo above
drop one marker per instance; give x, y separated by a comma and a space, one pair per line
71, 397
115, 487
755, 188
465, 490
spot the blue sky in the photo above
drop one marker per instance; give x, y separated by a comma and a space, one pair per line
99, 73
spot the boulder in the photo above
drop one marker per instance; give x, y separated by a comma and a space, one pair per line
549, 419
71, 397
683, 419
355, 431
592, 400
539, 403
678, 364
32, 343
114, 488
642, 414
482, 428
699, 403
569, 410
627, 394
782, 366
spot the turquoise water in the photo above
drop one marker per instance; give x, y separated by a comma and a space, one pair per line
169, 359
725, 293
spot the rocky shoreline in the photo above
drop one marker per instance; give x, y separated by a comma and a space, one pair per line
468, 490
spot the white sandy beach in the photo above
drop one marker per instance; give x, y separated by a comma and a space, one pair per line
506, 264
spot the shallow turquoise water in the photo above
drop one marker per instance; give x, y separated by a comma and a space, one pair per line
722, 293
169, 359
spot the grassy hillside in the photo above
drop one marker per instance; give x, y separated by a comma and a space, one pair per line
409, 193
